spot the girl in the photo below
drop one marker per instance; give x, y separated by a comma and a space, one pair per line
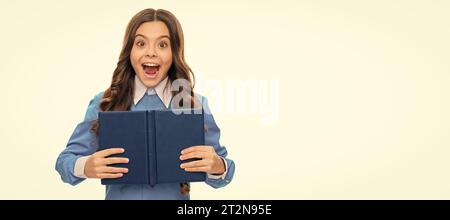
151, 61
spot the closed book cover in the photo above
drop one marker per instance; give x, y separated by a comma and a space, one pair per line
127, 130
173, 133
153, 141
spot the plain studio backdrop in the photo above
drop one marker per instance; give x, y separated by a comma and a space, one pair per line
358, 95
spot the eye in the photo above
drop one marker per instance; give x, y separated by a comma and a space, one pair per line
163, 44
140, 43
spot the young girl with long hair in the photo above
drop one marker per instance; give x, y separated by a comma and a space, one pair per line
150, 63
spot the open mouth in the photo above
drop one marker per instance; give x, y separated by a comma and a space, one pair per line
150, 69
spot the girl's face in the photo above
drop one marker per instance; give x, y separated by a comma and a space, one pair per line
151, 55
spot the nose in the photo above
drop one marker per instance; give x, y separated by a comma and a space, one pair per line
150, 52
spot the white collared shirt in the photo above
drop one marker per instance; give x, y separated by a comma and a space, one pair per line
162, 90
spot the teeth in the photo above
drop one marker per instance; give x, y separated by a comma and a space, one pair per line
150, 64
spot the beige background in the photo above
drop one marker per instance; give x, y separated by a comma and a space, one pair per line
364, 92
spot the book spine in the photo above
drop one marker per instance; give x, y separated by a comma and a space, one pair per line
147, 152
151, 131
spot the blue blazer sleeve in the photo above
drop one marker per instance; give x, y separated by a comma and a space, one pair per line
212, 137
82, 143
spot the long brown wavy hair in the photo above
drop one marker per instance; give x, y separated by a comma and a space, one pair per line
119, 96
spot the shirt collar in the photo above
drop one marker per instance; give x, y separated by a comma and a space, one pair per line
163, 93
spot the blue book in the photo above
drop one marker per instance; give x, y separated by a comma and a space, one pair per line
153, 141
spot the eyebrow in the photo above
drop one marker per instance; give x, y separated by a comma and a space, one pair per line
162, 36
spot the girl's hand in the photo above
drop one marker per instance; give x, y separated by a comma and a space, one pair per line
97, 165
210, 162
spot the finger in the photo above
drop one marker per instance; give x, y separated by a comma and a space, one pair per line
198, 163
197, 169
110, 151
195, 148
110, 176
195, 154
113, 170
115, 160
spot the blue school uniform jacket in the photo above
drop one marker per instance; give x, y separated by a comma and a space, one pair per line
83, 143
